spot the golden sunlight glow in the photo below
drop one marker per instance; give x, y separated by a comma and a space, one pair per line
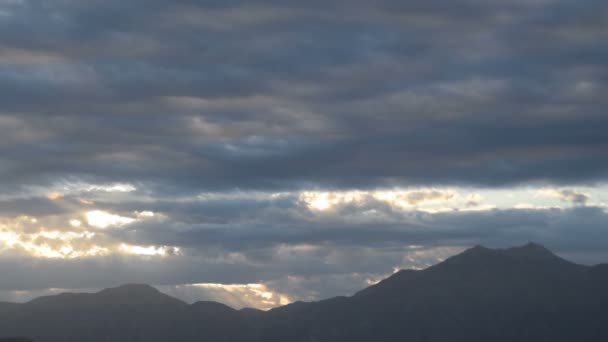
64, 252
55, 195
145, 214
102, 219
112, 188
318, 200
52, 244
255, 295
67, 238
421, 199
415, 198
9, 239
86, 201
149, 250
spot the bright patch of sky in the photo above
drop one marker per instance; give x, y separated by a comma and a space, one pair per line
103, 219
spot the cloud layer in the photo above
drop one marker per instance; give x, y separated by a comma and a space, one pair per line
278, 94
302, 149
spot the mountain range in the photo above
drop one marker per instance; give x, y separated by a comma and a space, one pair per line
524, 293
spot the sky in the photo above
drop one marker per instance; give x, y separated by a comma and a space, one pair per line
262, 152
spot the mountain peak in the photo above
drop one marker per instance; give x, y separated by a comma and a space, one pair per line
478, 249
137, 293
131, 289
530, 252
531, 248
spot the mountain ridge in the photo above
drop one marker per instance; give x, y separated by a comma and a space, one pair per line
528, 251
523, 293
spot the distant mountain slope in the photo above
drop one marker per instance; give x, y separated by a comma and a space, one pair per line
126, 313
518, 294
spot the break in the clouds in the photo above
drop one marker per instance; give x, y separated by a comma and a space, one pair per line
283, 150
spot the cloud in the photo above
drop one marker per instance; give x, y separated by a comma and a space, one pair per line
574, 197
568, 195
292, 144
477, 101
279, 242
102, 219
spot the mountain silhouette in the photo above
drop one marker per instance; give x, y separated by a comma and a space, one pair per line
523, 293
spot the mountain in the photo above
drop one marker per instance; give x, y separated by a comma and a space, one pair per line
518, 294
524, 293
126, 313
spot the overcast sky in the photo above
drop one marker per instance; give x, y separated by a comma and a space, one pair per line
261, 152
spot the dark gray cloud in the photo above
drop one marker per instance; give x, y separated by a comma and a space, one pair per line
575, 229
31, 206
278, 94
